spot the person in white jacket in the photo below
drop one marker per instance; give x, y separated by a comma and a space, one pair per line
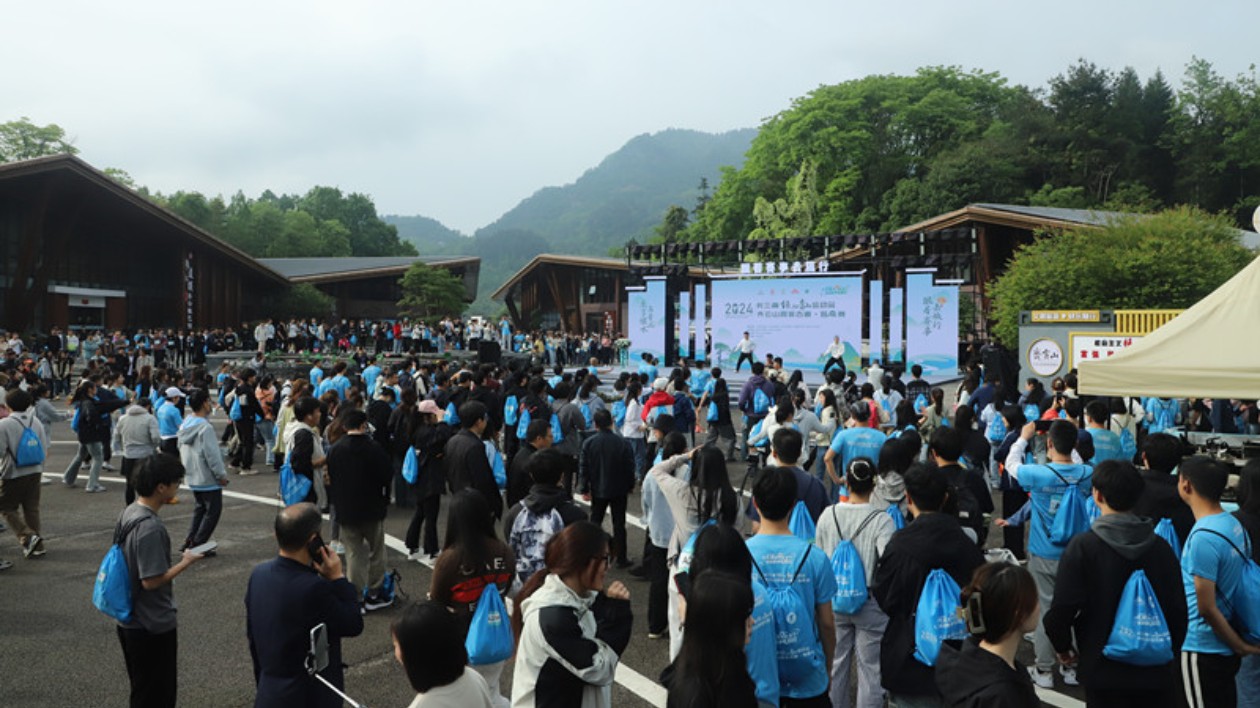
572, 631
204, 470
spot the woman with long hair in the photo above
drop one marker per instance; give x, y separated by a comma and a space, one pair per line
933, 415
474, 561
93, 432
567, 601
706, 497
634, 428
711, 670
716, 392
1000, 605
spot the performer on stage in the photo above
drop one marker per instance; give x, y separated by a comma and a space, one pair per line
835, 355
746, 347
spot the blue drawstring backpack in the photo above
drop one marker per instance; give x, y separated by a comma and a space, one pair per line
510, 409
801, 524
997, 430
619, 413
557, 434
798, 648
235, 412
1139, 633
111, 593
489, 639
1032, 412
899, 519
1092, 510
850, 574
587, 416
496, 464
688, 550
1072, 516
451, 417
410, 466
920, 402
74, 422
1165, 530
293, 487
760, 402
522, 426
1246, 605
1128, 446
937, 616
30, 451
755, 431
712, 416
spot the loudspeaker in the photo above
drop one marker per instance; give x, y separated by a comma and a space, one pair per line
489, 352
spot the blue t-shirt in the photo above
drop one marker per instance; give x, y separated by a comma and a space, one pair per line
646, 368
1106, 445
1046, 491
341, 385
852, 443
317, 375
778, 557
169, 419
369, 378
1208, 556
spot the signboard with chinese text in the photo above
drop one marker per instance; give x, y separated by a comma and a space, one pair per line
702, 322
931, 324
1096, 346
1045, 357
1050, 316
896, 322
875, 323
784, 268
645, 326
795, 318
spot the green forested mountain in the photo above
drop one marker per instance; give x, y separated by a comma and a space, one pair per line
882, 152
620, 199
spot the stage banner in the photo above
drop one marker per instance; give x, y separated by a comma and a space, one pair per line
896, 324
684, 325
702, 324
875, 323
931, 324
645, 310
794, 318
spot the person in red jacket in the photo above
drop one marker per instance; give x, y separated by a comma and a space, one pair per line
658, 398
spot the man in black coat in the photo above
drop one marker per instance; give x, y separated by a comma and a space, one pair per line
361, 472
1159, 498
537, 437
286, 598
466, 461
606, 468
1092, 575
933, 540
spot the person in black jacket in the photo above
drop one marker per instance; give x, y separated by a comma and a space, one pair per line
971, 493
361, 472
537, 437
466, 461
933, 540
546, 493
1162, 454
1000, 605
243, 460
286, 597
428, 438
93, 432
606, 469
1092, 575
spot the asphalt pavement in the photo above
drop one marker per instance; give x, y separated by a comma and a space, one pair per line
56, 649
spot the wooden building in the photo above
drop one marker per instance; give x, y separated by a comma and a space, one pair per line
79, 249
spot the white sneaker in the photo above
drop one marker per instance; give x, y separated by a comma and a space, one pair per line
1043, 679
1069, 675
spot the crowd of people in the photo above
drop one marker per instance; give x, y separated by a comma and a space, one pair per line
861, 571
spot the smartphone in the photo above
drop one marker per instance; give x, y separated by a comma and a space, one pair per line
204, 548
1043, 426
315, 548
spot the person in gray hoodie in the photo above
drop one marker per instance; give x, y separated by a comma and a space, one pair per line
19, 486
138, 436
204, 471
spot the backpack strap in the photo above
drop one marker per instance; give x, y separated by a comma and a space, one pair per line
121, 532
804, 558
866, 521
759, 573
1225, 538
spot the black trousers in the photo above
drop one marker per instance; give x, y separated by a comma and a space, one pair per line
658, 589
598, 507
244, 457
834, 361
744, 356
1209, 679
128, 469
426, 514
1013, 536
206, 512
170, 446
151, 667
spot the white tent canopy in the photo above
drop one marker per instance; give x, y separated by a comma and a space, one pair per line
1211, 350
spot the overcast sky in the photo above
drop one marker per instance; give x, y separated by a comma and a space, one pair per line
460, 109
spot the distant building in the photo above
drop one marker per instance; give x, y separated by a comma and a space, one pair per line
79, 249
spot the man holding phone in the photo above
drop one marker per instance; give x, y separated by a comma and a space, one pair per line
289, 595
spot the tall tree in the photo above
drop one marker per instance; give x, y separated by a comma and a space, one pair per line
430, 292
23, 140
675, 221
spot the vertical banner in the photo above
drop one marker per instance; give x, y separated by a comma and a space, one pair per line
684, 325
931, 324
646, 326
896, 323
875, 322
702, 323
190, 287
795, 318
